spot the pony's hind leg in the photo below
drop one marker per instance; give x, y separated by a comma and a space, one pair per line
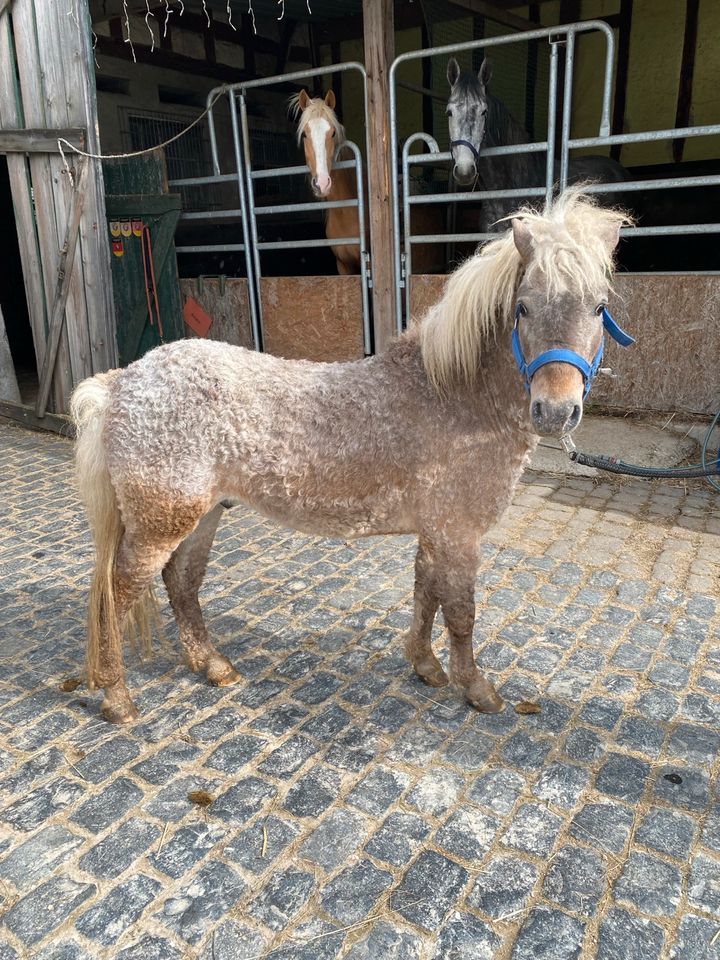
183, 575
418, 645
136, 565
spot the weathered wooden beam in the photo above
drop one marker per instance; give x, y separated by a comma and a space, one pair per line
64, 273
379, 41
4, 4
39, 140
687, 69
28, 418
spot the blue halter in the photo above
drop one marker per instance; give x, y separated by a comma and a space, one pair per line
588, 370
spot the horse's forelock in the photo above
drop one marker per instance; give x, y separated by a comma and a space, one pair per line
316, 109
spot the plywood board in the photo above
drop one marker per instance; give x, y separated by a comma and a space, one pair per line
227, 303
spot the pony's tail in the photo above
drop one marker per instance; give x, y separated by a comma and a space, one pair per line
89, 406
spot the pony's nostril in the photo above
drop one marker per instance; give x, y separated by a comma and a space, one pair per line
574, 419
536, 411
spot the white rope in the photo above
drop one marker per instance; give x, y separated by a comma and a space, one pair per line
135, 153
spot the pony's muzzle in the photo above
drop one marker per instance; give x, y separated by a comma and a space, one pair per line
555, 417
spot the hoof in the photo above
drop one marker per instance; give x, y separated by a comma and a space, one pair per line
433, 676
119, 712
220, 672
485, 698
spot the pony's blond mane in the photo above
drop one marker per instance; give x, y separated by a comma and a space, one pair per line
316, 109
572, 251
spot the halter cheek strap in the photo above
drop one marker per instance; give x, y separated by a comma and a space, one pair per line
564, 355
471, 147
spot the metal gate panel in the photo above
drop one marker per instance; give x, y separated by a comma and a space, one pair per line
247, 178
561, 36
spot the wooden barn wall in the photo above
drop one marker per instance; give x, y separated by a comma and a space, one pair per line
673, 365
305, 318
46, 62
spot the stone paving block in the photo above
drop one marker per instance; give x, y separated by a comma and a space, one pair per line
313, 793
625, 936
623, 777
99, 764
695, 939
416, 746
468, 833
561, 784
353, 893
466, 937
504, 886
534, 829
385, 941
378, 790
61, 950
38, 768
398, 838
694, 744
704, 884
166, 764
326, 724
108, 806
667, 832
258, 847
232, 940
150, 948
41, 804
39, 856
429, 889
279, 720
282, 897
212, 892
46, 908
335, 839
650, 885
289, 757
242, 800
436, 792
353, 749
575, 880
497, 789
108, 919
683, 787
549, 934
469, 750
233, 754
186, 847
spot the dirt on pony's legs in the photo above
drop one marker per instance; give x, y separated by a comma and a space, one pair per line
183, 575
418, 645
136, 565
445, 575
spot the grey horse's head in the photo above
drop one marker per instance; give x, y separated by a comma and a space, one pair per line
467, 111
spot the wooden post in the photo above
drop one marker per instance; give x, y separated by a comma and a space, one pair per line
379, 40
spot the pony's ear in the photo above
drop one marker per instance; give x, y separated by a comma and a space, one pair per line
330, 99
453, 71
609, 233
523, 238
485, 72
303, 99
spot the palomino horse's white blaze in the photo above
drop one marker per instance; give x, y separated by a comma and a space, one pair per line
318, 131
428, 438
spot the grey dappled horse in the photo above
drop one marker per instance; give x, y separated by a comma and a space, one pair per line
477, 119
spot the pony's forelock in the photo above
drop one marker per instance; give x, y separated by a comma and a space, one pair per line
573, 243
316, 109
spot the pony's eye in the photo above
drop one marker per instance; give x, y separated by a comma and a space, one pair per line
449, 112
600, 307
483, 112
520, 310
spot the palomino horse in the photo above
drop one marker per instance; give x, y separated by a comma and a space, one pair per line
322, 136
477, 119
429, 437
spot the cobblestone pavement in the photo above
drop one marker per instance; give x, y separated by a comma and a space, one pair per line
356, 813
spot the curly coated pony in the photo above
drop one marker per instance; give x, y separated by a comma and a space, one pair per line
429, 438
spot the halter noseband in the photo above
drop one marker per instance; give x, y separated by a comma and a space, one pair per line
564, 355
471, 147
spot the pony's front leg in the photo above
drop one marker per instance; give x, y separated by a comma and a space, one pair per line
418, 644
183, 575
458, 605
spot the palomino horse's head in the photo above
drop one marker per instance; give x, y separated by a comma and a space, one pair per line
321, 133
540, 291
467, 112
